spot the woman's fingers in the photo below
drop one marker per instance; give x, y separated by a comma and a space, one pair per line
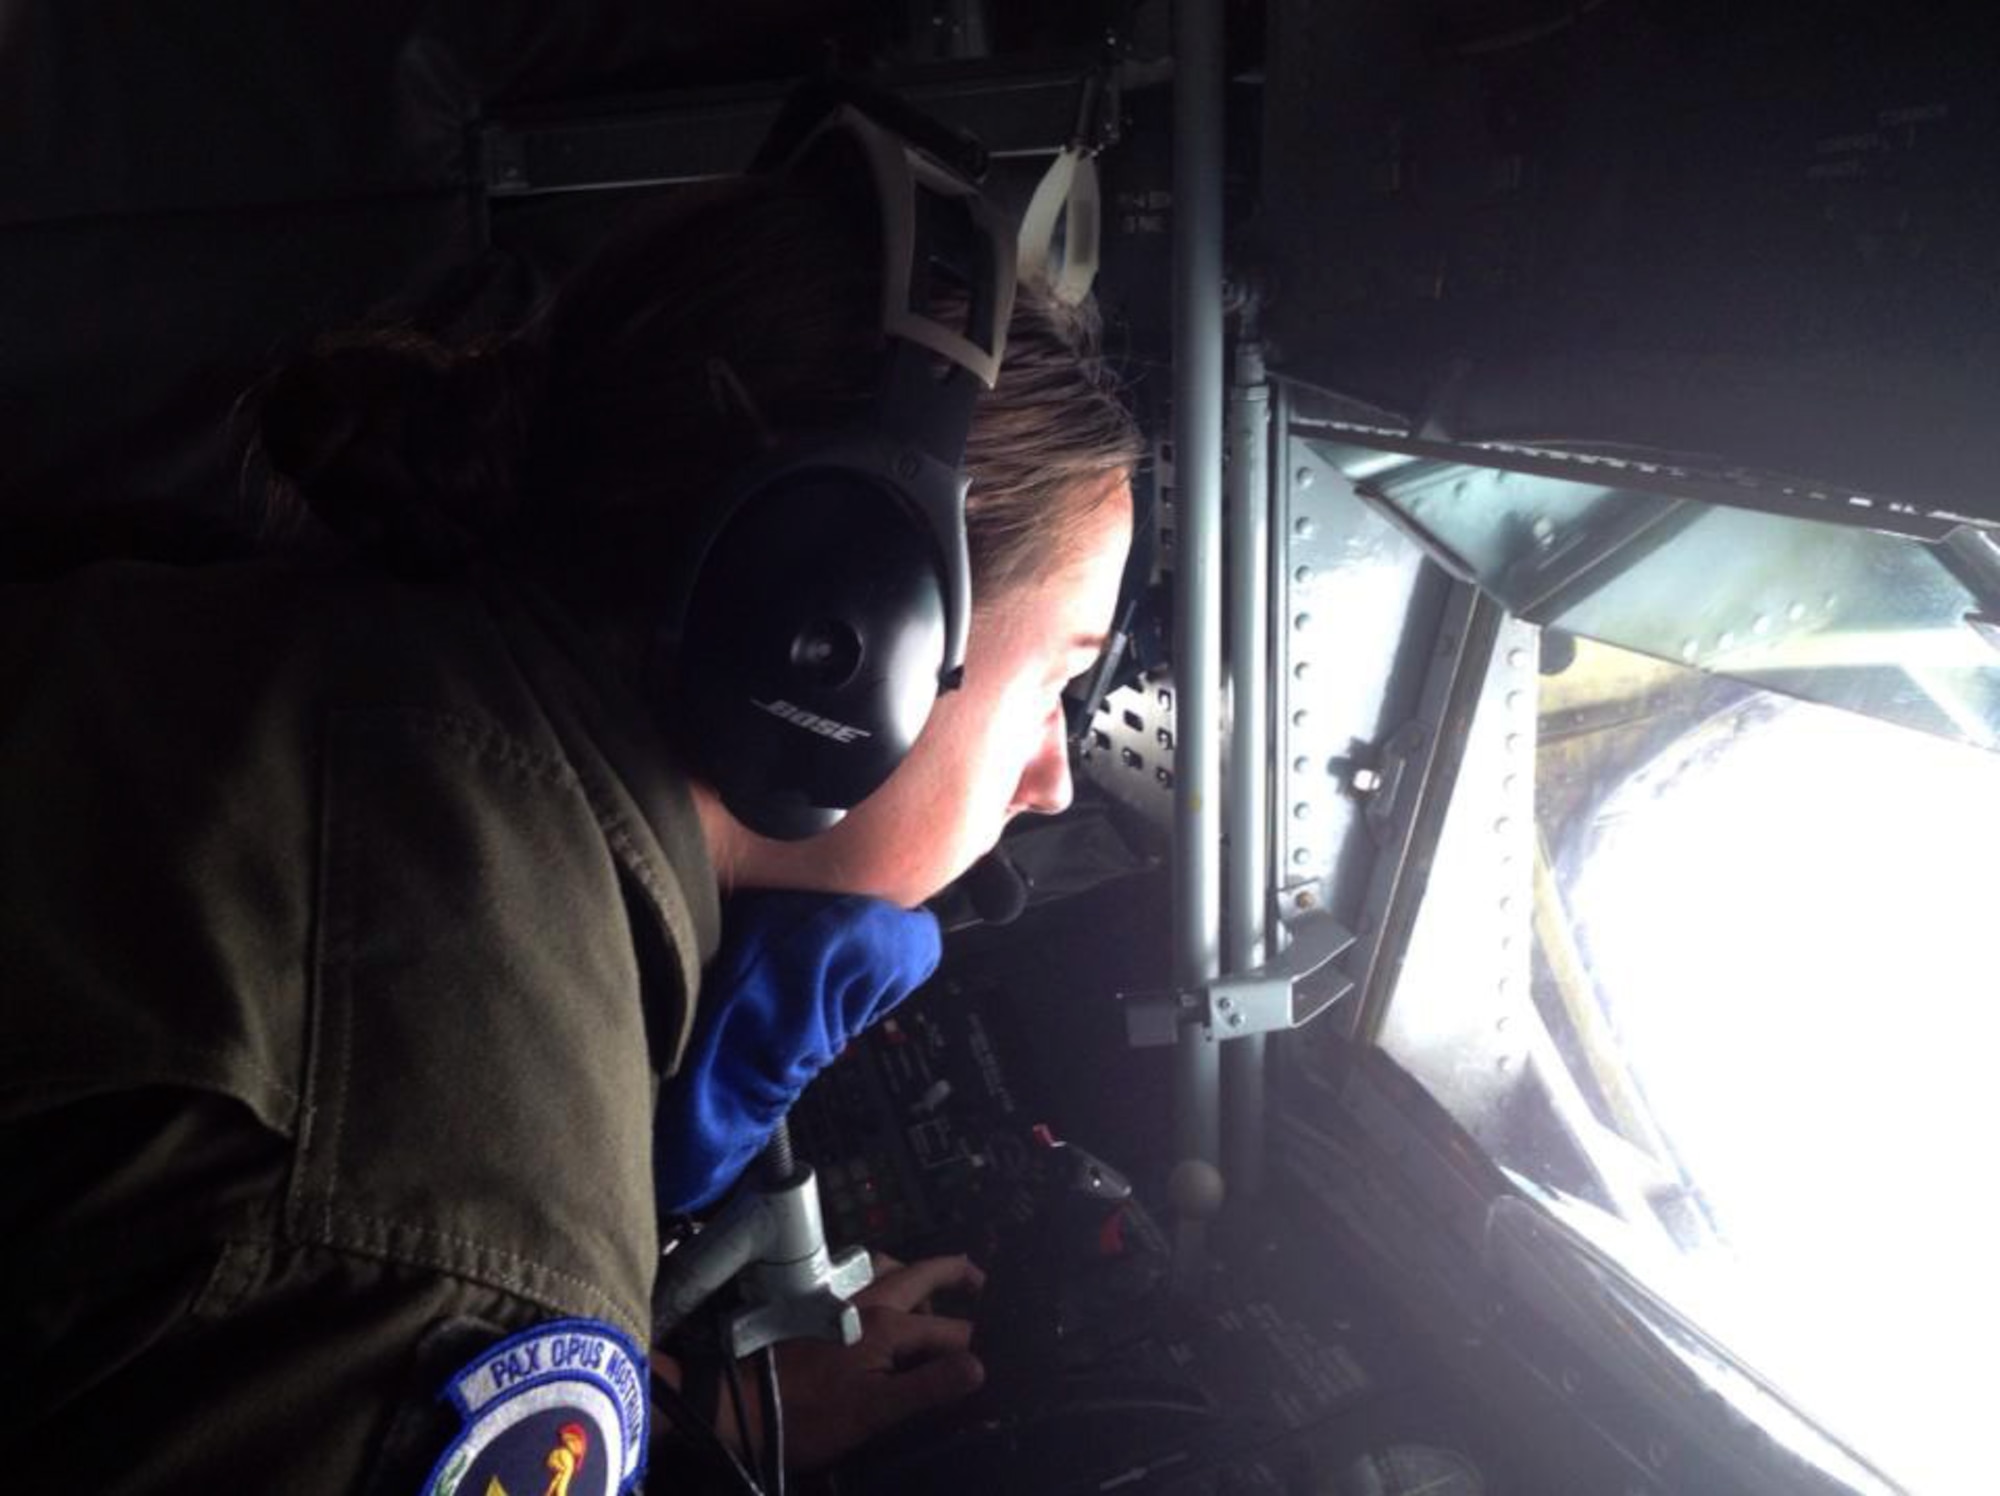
934, 1383
908, 1287
911, 1339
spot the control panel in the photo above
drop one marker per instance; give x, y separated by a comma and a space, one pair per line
1275, 1373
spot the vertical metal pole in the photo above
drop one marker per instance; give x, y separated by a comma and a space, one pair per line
1245, 900
1198, 385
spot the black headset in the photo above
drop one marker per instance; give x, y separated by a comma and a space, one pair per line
826, 605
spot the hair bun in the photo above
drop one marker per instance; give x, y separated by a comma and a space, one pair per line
401, 445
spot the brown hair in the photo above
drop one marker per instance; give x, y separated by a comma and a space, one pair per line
585, 441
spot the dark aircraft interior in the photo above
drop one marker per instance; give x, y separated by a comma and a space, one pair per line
1507, 1010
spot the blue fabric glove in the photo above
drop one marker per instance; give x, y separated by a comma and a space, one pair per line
797, 975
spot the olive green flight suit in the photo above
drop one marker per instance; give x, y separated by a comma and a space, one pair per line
344, 924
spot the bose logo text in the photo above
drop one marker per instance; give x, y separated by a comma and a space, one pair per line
798, 716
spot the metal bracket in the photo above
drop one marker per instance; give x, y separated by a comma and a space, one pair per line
793, 1287
1260, 1001
777, 1308
1099, 110
1398, 764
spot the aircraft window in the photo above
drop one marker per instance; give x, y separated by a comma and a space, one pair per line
1901, 628
1723, 999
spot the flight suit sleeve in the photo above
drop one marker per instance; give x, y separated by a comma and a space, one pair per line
165, 1340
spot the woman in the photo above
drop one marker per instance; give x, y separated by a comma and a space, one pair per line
356, 898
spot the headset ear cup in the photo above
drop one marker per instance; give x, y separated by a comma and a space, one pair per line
810, 654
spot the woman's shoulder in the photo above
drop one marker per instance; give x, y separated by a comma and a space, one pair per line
322, 620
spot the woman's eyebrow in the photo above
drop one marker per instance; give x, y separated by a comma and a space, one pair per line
1088, 648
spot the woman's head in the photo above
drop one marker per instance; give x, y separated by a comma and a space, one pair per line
588, 444
774, 284
598, 431
994, 749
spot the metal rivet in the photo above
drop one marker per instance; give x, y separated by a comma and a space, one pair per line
1513, 742
1301, 857
1795, 612
1303, 574
1301, 717
1761, 624
1225, 1004
1302, 811
1304, 899
1517, 699
1303, 527
1504, 825
1303, 621
1301, 670
1517, 658
1303, 477
1236, 1020
1302, 765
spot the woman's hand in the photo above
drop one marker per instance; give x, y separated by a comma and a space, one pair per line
908, 1361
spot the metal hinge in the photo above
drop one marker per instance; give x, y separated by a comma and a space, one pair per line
1260, 1001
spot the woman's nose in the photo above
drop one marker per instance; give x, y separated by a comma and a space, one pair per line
1046, 787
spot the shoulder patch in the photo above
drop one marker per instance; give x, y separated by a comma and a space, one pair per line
559, 1410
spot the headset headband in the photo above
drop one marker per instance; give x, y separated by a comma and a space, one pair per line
937, 234
932, 219
829, 601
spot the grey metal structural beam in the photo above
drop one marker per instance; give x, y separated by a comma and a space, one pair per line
694, 136
1247, 812
1198, 416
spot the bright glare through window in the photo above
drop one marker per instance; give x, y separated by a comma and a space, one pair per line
1752, 1055
1792, 921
